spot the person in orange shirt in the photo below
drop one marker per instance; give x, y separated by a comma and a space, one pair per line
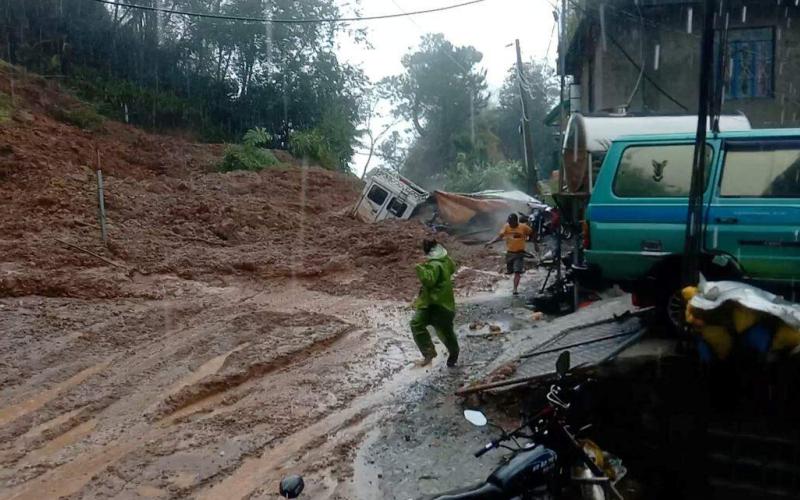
516, 235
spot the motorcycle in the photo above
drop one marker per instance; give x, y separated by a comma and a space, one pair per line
554, 460
546, 221
550, 460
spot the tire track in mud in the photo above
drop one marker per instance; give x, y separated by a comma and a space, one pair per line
205, 394
28, 405
71, 477
214, 388
311, 442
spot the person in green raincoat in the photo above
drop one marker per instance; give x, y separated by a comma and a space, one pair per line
435, 306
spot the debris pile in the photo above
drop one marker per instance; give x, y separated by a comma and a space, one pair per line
170, 213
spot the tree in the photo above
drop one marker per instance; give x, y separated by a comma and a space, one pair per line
441, 92
542, 87
371, 136
216, 77
392, 152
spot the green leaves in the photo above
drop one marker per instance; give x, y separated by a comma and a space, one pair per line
311, 145
251, 155
470, 178
246, 157
441, 92
211, 77
257, 137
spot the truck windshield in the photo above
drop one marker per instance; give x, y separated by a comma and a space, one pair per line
763, 173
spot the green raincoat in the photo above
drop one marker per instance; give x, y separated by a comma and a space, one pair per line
435, 304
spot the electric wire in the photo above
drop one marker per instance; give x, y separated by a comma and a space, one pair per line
288, 20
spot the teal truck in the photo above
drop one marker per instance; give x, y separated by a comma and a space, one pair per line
636, 217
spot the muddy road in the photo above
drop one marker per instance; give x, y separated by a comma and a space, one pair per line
234, 326
218, 391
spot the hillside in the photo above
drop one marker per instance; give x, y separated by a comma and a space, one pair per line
161, 364
169, 212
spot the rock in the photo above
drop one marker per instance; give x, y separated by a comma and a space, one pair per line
225, 230
495, 329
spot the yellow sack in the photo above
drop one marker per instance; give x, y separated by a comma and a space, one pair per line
719, 338
692, 319
688, 293
785, 337
744, 318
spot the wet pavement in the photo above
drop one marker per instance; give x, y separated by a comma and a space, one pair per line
426, 446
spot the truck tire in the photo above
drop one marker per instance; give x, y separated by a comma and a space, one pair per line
675, 311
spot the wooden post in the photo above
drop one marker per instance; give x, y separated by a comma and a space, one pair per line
101, 202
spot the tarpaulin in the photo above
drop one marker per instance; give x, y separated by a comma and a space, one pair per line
713, 294
459, 209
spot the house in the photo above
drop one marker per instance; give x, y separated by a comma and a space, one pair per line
643, 56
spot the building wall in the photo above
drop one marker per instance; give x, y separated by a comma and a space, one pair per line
608, 77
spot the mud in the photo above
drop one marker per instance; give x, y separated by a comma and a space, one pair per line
248, 325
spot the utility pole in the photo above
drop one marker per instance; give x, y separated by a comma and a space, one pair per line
694, 216
527, 138
562, 59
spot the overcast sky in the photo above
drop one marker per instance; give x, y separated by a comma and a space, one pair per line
488, 26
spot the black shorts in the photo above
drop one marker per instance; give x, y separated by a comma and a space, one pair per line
515, 262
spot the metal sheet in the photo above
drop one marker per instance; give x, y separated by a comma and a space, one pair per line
588, 345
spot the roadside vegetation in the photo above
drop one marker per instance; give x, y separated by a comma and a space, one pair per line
251, 155
214, 81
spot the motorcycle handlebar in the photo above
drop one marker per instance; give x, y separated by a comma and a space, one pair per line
486, 448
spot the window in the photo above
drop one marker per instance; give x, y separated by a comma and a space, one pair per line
657, 171
377, 195
750, 56
762, 173
397, 207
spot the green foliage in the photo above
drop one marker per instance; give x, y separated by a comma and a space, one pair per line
541, 87
217, 79
257, 137
312, 146
83, 116
472, 177
442, 91
246, 157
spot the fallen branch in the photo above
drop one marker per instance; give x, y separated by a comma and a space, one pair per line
76, 247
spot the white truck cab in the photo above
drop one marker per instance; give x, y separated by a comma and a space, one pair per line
388, 195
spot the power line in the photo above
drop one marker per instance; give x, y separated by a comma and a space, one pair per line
550, 43
287, 20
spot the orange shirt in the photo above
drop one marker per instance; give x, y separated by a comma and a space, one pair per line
516, 236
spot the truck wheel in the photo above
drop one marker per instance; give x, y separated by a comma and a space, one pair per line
675, 311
